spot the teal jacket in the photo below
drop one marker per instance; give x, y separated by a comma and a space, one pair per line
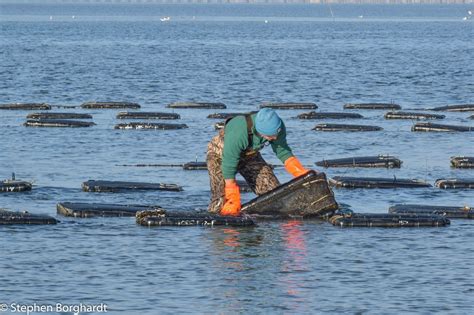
236, 141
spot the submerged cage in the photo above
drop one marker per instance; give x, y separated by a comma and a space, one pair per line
58, 116
87, 210
459, 183
117, 186
110, 105
15, 186
346, 127
189, 218
244, 186
376, 182
329, 115
412, 116
391, 220
462, 161
456, 108
147, 125
25, 106
289, 105
147, 115
219, 125
386, 161
12, 217
440, 127
192, 166
197, 105
59, 123
447, 211
228, 115
372, 106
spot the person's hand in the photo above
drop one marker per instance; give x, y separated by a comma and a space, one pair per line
232, 199
294, 167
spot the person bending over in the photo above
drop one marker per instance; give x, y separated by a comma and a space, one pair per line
236, 149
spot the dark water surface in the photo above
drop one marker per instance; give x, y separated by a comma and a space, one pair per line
417, 56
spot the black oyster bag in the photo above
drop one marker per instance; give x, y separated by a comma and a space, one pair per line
307, 195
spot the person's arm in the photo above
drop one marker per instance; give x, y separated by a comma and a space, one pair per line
284, 153
235, 141
280, 146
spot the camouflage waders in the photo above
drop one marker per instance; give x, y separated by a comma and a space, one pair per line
258, 174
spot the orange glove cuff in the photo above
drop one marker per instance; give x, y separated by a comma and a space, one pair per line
294, 167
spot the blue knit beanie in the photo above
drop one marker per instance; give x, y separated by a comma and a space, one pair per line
267, 122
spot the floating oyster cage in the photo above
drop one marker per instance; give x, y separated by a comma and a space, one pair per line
15, 186
462, 161
119, 186
389, 220
227, 115
329, 115
346, 127
307, 195
197, 105
179, 218
220, 125
244, 186
455, 108
87, 210
375, 182
440, 127
386, 161
58, 123
147, 125
58, 116
391, 106
412, 116
464, 183
192, 166
13, 217
110, 105
147, 115
289, 105
25, 106
446, 211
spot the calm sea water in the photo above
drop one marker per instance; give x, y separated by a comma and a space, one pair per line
417, 56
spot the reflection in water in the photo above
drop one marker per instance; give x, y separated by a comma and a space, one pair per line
232, 246
231, 241
236, 255
295, 261
249, 259
294, 237
231, 237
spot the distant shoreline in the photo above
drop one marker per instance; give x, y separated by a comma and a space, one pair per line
259, 2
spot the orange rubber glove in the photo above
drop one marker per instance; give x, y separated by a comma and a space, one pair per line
232, 200
294, 167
